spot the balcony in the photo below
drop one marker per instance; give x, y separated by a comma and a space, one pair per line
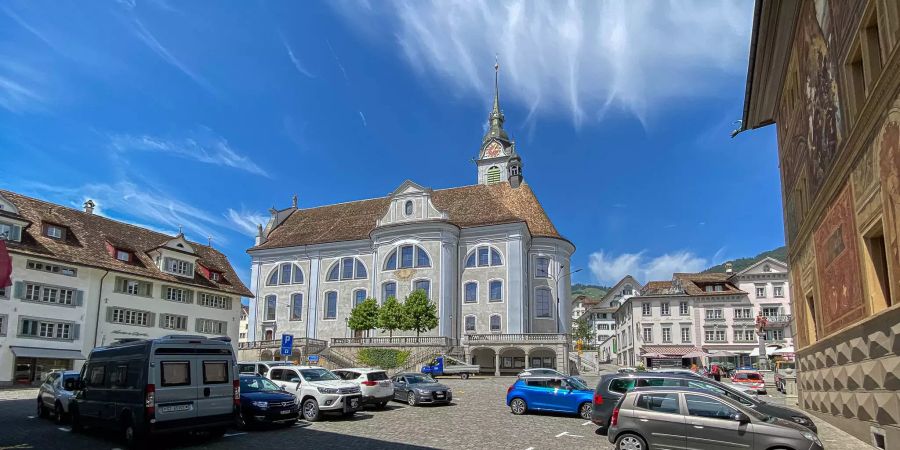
430, 341
315, 345
778, 321
517, 338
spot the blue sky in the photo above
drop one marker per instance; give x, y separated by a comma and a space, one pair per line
205, 114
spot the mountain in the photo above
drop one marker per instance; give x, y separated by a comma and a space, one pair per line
740, 264
591, 290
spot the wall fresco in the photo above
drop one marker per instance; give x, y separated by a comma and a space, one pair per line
888, 143
837, 264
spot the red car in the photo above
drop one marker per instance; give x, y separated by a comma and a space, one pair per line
751, 379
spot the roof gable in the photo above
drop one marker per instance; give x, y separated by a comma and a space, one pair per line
759, 267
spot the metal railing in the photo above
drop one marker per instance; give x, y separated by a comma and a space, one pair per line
433, 341
779, 320
312, 345
544, 338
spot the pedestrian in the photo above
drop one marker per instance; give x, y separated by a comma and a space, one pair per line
716, 373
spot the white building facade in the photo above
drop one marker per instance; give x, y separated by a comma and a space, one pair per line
600, 317
82, 281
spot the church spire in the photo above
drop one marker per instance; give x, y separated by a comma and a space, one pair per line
495, 119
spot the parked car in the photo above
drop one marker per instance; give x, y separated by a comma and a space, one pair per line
374, 384
678, 371
55, 393
416, 389
780, 370
319, 390
145, 386
749, 378
260, 368
680, 417
263, 401
445, 365
545, 372
557, 394
627, 370
612, 387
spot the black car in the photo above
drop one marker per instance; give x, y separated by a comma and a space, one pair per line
612, 387
416, 388
262, 401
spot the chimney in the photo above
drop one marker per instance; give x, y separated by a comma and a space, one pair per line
728, 268
89, 206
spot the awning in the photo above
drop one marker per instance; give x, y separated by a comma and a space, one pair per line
787, 350
34, 352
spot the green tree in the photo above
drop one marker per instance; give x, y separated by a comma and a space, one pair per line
390, 316
582, 330
364, 316
419, 313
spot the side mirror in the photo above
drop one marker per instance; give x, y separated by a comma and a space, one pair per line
70, 384
740, 417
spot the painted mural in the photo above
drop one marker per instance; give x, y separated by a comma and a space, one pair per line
837, 265
888, 143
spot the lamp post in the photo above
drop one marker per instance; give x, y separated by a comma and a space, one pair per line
559, 276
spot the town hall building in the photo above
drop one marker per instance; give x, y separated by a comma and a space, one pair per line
487, 255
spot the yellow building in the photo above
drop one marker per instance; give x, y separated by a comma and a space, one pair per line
827, 73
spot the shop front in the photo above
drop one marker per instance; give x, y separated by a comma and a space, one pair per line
32, 364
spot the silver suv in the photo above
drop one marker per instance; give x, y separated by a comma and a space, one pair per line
682, 417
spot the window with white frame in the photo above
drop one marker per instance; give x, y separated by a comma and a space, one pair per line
775, 335
297, 306
685, 335
602, 326
484, 256
709, 335
542, 267
51, 268
48, 294
683, 308
714, 313
778, 291
54, 231
664, 308
331, 298
347, 269
123, 256
542, 303
173, 322
424, 285
743, 313
174, 294
388, 290
714, 335
4, 320
406, 257
271, 305
760, 291
495, 291
720, 335
10, 232
470, 292
48, 329
210, 326
285, 273
470, 324
178, 266
359, 296
127, 316
647, 334
133, 287
495, 323
214, 301
645, 309
666, 335
771, 311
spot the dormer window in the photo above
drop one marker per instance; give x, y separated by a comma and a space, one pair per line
178, 267
54, 231
10, 232
214, 276
123, 255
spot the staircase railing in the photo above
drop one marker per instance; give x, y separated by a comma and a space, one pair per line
338, 359
418, 358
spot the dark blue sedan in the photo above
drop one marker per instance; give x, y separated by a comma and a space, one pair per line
556, 394
262, 401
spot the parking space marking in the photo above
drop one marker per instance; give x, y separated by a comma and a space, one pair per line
566, 433
66, 429
233, 434
530, 448
29, 417
587, 423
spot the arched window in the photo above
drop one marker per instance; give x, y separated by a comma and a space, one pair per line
347, 269
388, 290
495, 323
297, 306
424, 285
359, 296
471, 292
410, 256
408, 208
470, 324
484, 256
495, 291
271, 303
285, 273
493, 175
330, 305
542, 303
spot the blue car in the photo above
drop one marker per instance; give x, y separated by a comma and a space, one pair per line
556, 394
262, 401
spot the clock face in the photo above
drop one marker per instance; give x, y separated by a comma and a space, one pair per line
493, 150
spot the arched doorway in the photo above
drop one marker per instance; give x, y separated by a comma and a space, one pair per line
512, 360
265, 355
485, 358
542, 357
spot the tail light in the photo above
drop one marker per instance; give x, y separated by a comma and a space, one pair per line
614, 420
598, 399
369, 383
150, 400
510, 389
236, 385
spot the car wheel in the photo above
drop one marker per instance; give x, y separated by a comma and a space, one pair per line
518, 406
585, 410
464, 376
630, 442
41, 409
411, 399
59, 414
130, 436
311, 410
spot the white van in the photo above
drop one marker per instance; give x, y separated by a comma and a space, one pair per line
144, 386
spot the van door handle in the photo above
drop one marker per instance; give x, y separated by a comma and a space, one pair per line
206, 392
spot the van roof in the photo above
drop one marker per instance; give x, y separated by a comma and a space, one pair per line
130, 344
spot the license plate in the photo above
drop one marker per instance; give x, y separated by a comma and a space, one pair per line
439, 395
354, 403
175, 408
286, 411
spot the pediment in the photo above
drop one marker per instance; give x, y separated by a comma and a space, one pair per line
774, 266
409, 187
411, 202
179, 244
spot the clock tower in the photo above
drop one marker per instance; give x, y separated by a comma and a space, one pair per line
497, 160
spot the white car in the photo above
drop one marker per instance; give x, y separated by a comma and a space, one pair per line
318, 389
375, 385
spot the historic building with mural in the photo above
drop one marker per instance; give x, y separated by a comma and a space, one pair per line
827, 73
487, 255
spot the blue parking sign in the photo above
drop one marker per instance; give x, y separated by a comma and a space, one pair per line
287, 344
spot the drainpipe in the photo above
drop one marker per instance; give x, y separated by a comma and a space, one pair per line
99, 308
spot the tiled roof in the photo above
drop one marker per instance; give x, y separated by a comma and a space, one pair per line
87, 236
670, 350
466, 207
657, 288
695, 283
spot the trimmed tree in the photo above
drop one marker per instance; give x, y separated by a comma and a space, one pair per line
390, 316
419, 313
364, 316
582, 330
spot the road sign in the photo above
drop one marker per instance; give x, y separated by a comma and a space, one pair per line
313, 359
287, 344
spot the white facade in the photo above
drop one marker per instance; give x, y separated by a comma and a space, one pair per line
600, 317
767, 285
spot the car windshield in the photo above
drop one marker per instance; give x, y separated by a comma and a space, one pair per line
256, 384
417, 379
66, 378
318, 375
577, 384
724, 391
748, 376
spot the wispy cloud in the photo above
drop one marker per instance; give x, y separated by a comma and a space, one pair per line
609, 269
203, 145
583, 58
22, 89
338, 61
297, 64
246, 221
153, 43
363, 117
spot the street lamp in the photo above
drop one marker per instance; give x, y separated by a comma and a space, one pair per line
559, 277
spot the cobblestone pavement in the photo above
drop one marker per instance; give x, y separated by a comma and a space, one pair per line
477, 419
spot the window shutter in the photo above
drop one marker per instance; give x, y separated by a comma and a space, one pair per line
189, 296
76, 331
197, 325
162, 291
79, 298
146, 289
151, 319
15, 233
19, 290
109, 314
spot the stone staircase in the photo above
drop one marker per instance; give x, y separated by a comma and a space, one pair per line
337, 359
